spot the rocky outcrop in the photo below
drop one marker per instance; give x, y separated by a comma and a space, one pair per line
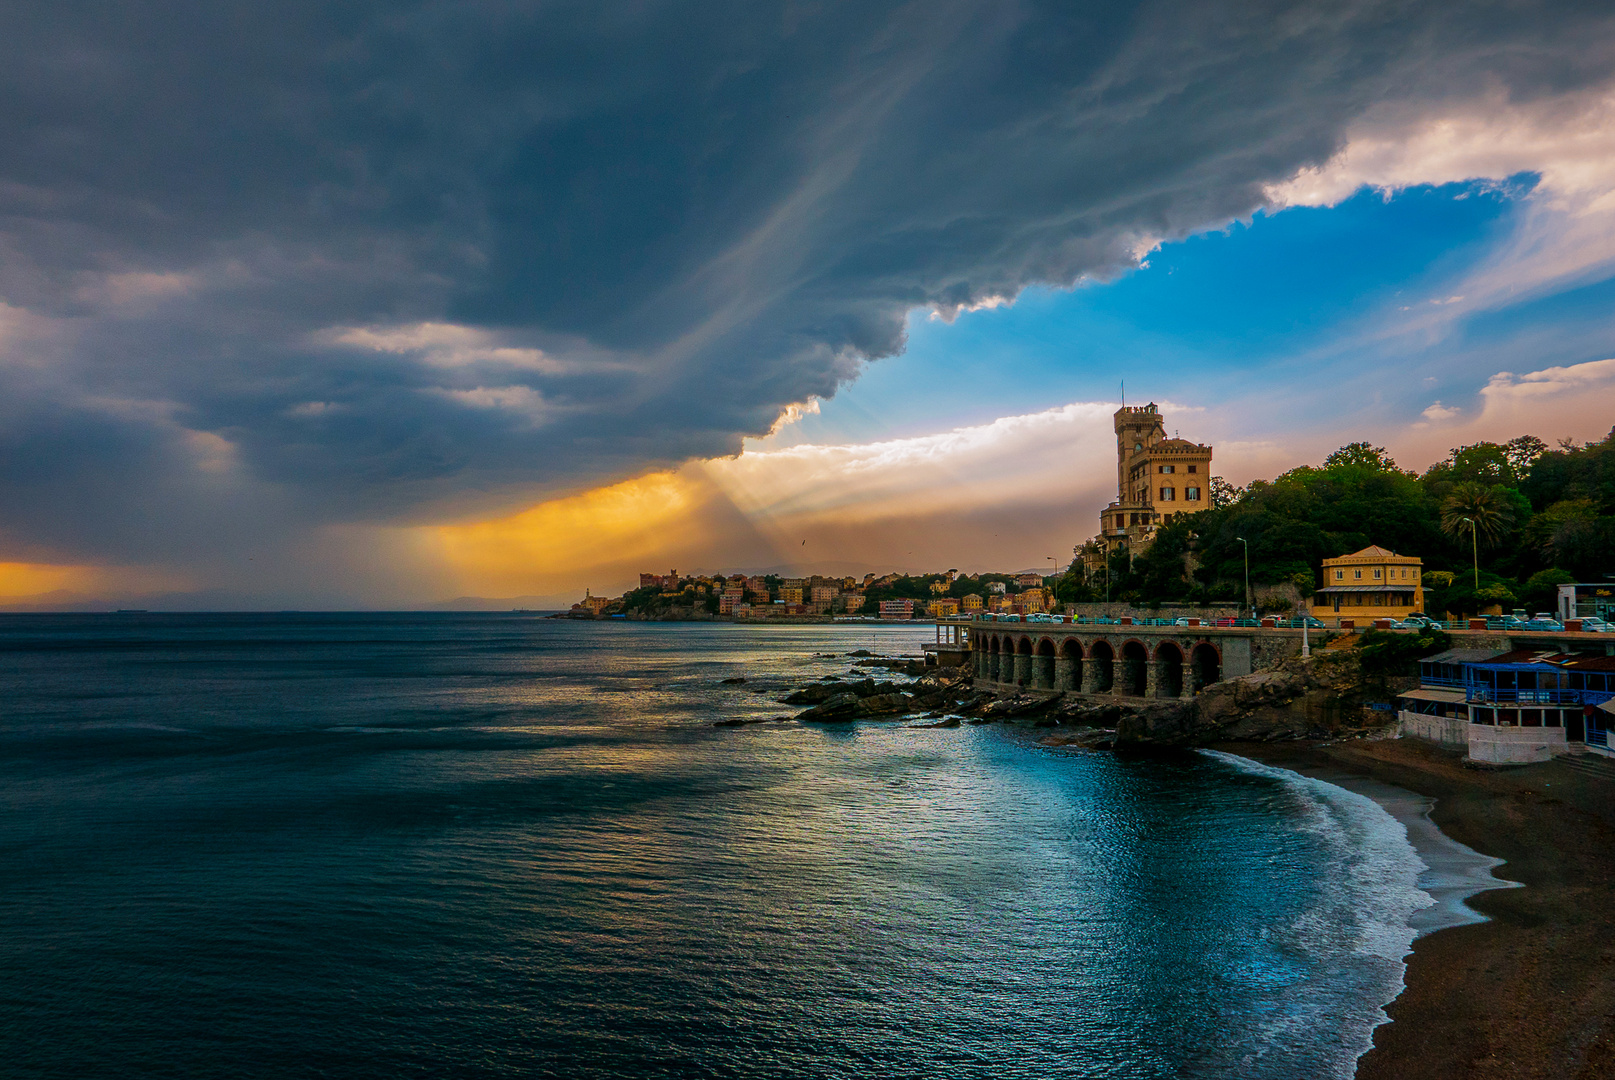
848, 706
823, 692
902, 665
1319, 697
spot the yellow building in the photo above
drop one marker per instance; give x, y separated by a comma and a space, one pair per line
971, 602
944, 606
1157, 478
1370, 584
791, 594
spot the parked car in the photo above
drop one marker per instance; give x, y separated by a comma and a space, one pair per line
1423, 619
1307, 621
1592, 624
1543, 622
1226, 621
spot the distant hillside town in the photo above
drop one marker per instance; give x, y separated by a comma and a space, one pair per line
1495, 529
890, 596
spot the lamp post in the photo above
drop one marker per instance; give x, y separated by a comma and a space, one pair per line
1474, 547
1248, 603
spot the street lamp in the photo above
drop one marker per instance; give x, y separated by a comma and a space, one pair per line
1248, 603
1474, 545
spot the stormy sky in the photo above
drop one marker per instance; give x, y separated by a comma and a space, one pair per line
295, 298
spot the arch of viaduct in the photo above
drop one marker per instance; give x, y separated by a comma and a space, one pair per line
1130, 661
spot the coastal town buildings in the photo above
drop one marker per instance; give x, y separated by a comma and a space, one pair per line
897, 609
1373, 583
971, 602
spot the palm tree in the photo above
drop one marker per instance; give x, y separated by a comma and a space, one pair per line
1477, 506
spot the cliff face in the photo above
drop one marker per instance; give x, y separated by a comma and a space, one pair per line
1313, 698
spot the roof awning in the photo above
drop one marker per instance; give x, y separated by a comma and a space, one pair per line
1608, 706
1408, 587
1462, 656
1430, 693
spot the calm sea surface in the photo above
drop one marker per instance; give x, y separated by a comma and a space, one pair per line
494, 845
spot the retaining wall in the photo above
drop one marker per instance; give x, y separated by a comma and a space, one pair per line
1450, 731
1515, 745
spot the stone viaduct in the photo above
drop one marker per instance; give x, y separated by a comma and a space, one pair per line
1123, 660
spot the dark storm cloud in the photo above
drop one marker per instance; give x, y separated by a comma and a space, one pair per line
601, 236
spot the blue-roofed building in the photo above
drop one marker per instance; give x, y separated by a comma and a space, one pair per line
1530, 703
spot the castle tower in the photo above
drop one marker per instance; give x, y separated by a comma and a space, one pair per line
1157, 478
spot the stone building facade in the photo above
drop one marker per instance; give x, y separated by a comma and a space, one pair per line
1157, 478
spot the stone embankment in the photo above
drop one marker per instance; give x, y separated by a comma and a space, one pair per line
1325, 696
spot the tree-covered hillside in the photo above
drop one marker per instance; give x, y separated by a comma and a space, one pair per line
1535, 516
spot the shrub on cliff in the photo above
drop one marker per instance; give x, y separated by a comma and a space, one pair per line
1385, 653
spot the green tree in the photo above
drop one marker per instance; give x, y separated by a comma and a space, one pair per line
1305, 582
1361, 455
1478, 508
1478, 463
1523, 452
1385, 653
1541, 591
1221, 493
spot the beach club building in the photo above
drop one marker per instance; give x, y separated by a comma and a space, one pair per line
1531, 703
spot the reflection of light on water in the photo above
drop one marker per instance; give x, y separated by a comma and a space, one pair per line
524, 842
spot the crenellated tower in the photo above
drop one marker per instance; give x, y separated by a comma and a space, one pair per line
1157, 478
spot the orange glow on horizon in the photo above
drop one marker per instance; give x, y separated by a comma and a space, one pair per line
31, 579
549, 545
21, 580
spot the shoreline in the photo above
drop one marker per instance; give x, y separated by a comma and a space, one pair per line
1530, 992
1453, 872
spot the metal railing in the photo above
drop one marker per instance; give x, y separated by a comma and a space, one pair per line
1486, 695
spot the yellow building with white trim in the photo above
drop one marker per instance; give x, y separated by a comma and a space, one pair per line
1373, 583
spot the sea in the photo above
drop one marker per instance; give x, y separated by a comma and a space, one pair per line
500, 845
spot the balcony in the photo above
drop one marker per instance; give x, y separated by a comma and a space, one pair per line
1486, 695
